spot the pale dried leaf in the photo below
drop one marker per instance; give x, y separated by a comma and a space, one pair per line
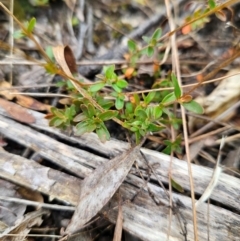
22, 100
65, 58
98, 188
31, 103
59, 54
3, 226
22, 227
224, 94
214, 180
65, 101
6, 93
222, 98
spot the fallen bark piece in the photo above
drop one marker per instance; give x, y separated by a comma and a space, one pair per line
34, 176
142, 217
226, 192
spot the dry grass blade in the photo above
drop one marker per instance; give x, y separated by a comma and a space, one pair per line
214, 180
119, 224
98, 188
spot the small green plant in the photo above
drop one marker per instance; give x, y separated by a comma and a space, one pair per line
29, 27
152, 43
140, 114
91, 107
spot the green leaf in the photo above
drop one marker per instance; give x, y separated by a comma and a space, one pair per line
129, 108
157, 112
54, 110
49, 52
149, 97
106, 104
103, 133
177, 89
75, 21
116, 88
122, 83
143, 51
136, 99
211, 4
18, 34
134, 128
70, 85
134, 58
132, 45
107, 115
80, 117
157, 34
114, 94
31, 25
137, 137
83, 127
146, 39
59, 113
144, 125
142, 132
176, 123
141, 114
150, 51
176, 185
109, 71
91, 110
55, 122
58, 122
84, 110
126, 125
85, 101
50, 68
39, 2
91, 127
119, 103
172, 146
61, 83
167, 142
167, 150
149, 111
136, 123
70, 112
169, 98
73, 110
193, 106
96, 87
154, 128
